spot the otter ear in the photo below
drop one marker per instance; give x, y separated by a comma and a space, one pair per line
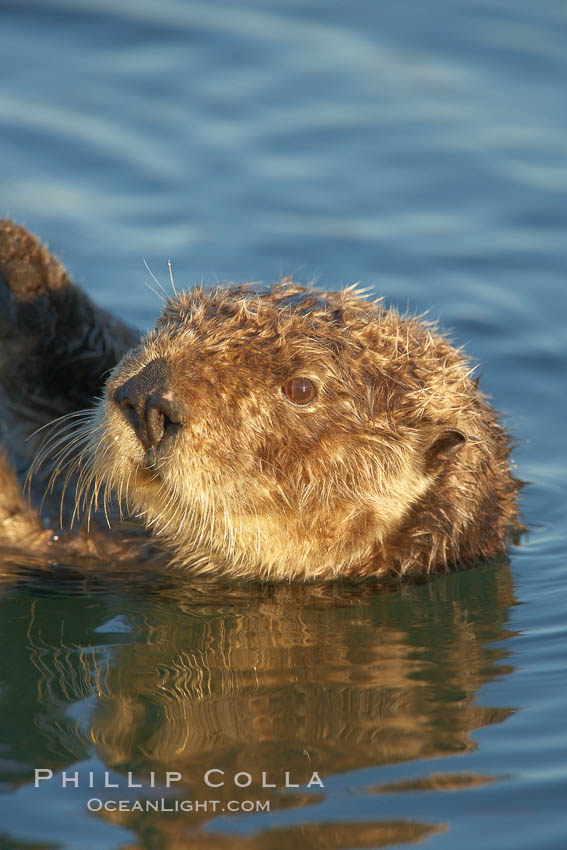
446, 443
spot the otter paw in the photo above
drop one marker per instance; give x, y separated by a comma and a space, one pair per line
27, 269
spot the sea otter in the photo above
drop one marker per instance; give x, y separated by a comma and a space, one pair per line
276, 433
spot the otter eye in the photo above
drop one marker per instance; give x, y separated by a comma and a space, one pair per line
300, 390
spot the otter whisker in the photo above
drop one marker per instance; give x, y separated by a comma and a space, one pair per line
163, 297
171, 279
167, 508
64, 459
53, 441
86, 491
74, 465
76, 414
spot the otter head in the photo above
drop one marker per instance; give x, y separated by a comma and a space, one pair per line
283, 433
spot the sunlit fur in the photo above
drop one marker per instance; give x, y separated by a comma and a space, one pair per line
253, 485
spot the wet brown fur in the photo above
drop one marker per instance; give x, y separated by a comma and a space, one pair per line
399, 466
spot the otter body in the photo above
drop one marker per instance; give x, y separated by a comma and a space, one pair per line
272, 433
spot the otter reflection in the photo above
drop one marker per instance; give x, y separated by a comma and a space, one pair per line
330, 679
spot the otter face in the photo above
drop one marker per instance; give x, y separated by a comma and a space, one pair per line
276, 434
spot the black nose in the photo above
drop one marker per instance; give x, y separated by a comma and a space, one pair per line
148, 404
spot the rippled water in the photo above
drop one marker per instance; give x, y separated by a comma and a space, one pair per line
418, 148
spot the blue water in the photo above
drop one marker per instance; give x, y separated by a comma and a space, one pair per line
419, 148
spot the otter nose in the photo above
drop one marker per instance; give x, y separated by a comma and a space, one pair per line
148, 405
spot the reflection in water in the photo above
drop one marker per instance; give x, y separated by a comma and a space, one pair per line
330, 679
